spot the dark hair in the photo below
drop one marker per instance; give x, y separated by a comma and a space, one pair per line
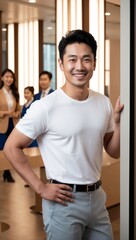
13, 86
77, 36
30, 88
46, 72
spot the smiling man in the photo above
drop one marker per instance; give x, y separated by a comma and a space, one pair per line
71, 125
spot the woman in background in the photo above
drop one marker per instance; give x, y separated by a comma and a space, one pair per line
9, 111
29, 96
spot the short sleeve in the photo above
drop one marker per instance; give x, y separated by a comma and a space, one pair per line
34, 122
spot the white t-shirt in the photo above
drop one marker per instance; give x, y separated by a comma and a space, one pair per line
70, 134
9, 97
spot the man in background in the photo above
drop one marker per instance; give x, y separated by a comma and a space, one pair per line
45, 78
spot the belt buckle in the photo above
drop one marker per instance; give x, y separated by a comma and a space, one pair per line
90, 186
88, 189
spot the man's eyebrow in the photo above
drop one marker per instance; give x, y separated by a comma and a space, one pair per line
86, 55
72, 55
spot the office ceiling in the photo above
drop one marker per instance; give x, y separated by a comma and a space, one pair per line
21, 10
18, 11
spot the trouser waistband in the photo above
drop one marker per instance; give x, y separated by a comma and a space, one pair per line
81, 188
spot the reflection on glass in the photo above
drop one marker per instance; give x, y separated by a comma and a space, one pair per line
112, 50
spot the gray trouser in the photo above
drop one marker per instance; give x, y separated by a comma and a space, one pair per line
85, 219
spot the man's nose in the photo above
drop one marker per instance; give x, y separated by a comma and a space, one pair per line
79, 64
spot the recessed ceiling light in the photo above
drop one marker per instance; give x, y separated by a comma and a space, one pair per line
107, 14
4, 29
32, 1
49, 28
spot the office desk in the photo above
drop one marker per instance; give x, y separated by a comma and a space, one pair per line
33, 155
111, 179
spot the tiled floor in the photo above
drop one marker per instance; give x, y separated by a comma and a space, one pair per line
15, 203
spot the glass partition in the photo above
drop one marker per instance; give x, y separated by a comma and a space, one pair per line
49, 46
49, 60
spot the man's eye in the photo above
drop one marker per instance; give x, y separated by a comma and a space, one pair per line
87, 60
71, 60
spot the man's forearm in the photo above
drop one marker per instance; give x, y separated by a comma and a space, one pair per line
20, 163
113, 147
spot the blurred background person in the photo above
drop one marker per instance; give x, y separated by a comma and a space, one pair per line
29, 96
10, 111
45, 78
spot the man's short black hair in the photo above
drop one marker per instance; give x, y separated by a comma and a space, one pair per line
77, 36
46, 72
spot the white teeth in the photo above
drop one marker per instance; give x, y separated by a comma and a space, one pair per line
78, 74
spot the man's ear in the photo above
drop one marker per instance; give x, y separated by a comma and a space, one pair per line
60, 64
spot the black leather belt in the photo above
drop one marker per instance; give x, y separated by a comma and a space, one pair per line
81, 188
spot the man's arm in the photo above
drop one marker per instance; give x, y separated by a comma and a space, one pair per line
13, 150
112, 140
